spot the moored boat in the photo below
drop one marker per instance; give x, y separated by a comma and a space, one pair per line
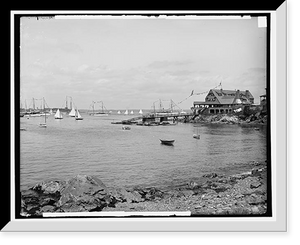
167, 142
58, 115
78, 116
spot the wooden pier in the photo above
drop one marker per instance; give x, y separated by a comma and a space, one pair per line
157, 118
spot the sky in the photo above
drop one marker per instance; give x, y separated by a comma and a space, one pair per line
133, 63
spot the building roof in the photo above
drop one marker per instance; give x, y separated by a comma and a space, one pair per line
223, 92
226, 97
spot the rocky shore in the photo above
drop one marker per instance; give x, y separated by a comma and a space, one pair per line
240, 194
238, 118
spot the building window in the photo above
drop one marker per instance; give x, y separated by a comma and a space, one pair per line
211, 111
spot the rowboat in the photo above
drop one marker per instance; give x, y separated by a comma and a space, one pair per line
167, 142
196, 136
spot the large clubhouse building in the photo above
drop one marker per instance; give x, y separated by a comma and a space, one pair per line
220, 101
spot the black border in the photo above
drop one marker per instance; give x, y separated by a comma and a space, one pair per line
17, 110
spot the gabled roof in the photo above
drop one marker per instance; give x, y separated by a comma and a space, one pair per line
230, 96
223, 99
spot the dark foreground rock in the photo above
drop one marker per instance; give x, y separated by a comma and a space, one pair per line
240, 194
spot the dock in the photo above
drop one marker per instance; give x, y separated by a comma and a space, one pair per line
157, 118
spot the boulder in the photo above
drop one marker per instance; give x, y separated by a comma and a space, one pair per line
123, 195
49, 187
211, 175
84, 193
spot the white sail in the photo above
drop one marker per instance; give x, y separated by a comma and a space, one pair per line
58, 115
119, 112
141, 112
126, 112
51, 112
131, 112
72, 113
78, 114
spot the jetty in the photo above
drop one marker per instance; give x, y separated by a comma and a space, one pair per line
158, 118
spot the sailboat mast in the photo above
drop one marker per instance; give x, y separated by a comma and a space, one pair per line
44, 108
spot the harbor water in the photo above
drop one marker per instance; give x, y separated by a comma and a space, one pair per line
126, 158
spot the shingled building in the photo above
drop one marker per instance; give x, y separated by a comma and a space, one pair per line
220, 101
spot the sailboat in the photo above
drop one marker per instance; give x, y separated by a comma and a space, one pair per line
44, 125
99, 113
78, 116
119, 112
58, 115
126, 112
72, 113
131, 112
141, 112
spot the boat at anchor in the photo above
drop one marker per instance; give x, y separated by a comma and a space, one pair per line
167, 142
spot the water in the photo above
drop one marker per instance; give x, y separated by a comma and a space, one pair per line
121, 158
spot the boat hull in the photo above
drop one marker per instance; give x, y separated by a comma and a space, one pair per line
167, 142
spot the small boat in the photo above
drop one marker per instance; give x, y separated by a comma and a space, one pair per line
126, 112
131, 112
126, 128
140, 112
78, 116
43, 125
196, 136
119, 112
167, 142
58, 115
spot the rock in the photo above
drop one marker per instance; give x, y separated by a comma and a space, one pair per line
255, 185
211, 175
84, 193
254, 199
153, 193
239, 196
122, 195
255, 210
30, 197
187, 193
47, 209
49, 187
